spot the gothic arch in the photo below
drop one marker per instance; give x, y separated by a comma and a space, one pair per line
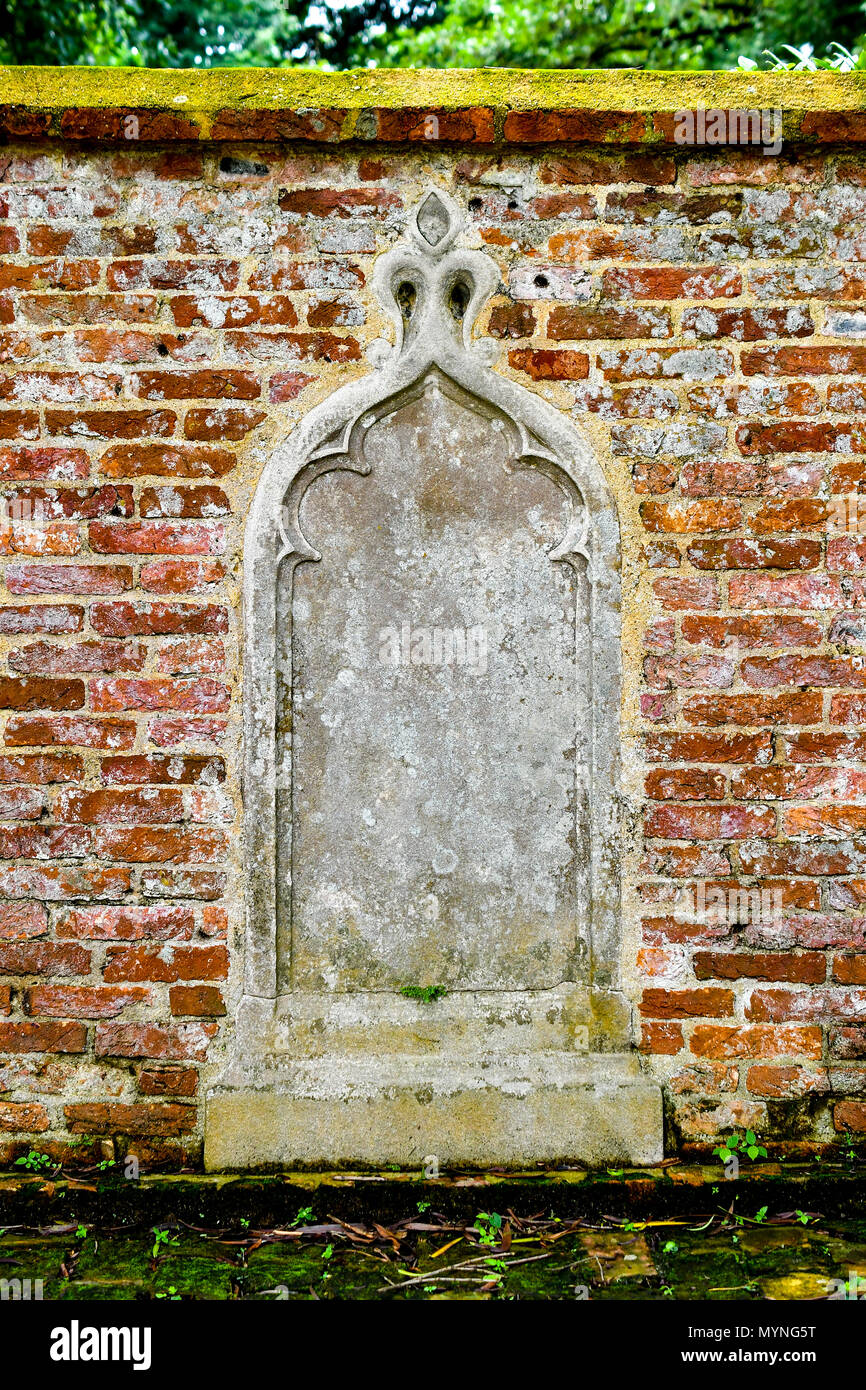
433, 291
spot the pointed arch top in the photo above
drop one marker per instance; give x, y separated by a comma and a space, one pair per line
433, 290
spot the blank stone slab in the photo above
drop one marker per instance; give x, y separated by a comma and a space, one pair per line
435, 805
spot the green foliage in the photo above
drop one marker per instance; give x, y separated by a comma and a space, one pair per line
162, 1239
303, 1218
489, 1227
149, 33
743, 1145
427, 994
34, 1162
672, 34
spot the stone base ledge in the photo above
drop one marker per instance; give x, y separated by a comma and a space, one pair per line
594, 1109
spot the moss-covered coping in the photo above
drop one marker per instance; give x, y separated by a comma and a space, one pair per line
472, 106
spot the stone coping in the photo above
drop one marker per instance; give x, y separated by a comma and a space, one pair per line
471, 106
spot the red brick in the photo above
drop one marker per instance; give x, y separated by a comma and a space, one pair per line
205, 501
568, 322
709, 822
59, 883
171, 1081
824, 820
232, 311
196, 1001
166, 460
127, 923
143, 846
786, 1083
23, 1117
155, 618
681, 517
44, 841
179, 1042
546, 127
45, 658
161, 767
155, 537
206, 384
685, 784
709, 748
193, 656
472, 125
789, 438
550, 364
840, 359
850, 970
801, 671
71, 729
338, 202
97, 1117
225, 424
42, 1037
736, 965
286, 386
43, 958
661, 1038
757, 1040
82, 1001
204, 275
68, 579
850, 1115
37, 693
167, 964
698, 669
201, 696
687, 1003
171, 733
742, 632
662, 283
112, 123
148, 806
678, 594
20, 921
110, 424
181, 576
744, 554
318, 124
41, 617
752, 710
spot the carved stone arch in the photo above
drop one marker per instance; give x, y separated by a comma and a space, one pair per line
564, 1044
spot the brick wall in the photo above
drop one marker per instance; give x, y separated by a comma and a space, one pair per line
168, 311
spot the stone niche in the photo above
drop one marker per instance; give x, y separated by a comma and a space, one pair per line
432, 688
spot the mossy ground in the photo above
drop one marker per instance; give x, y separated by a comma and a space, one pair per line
429, 1241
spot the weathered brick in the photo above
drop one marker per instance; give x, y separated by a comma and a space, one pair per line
757, 1040
167, 964
179, 1042
42, 1037
112, 1118
82, 1001
127, 923
687, 1003
196, 1001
